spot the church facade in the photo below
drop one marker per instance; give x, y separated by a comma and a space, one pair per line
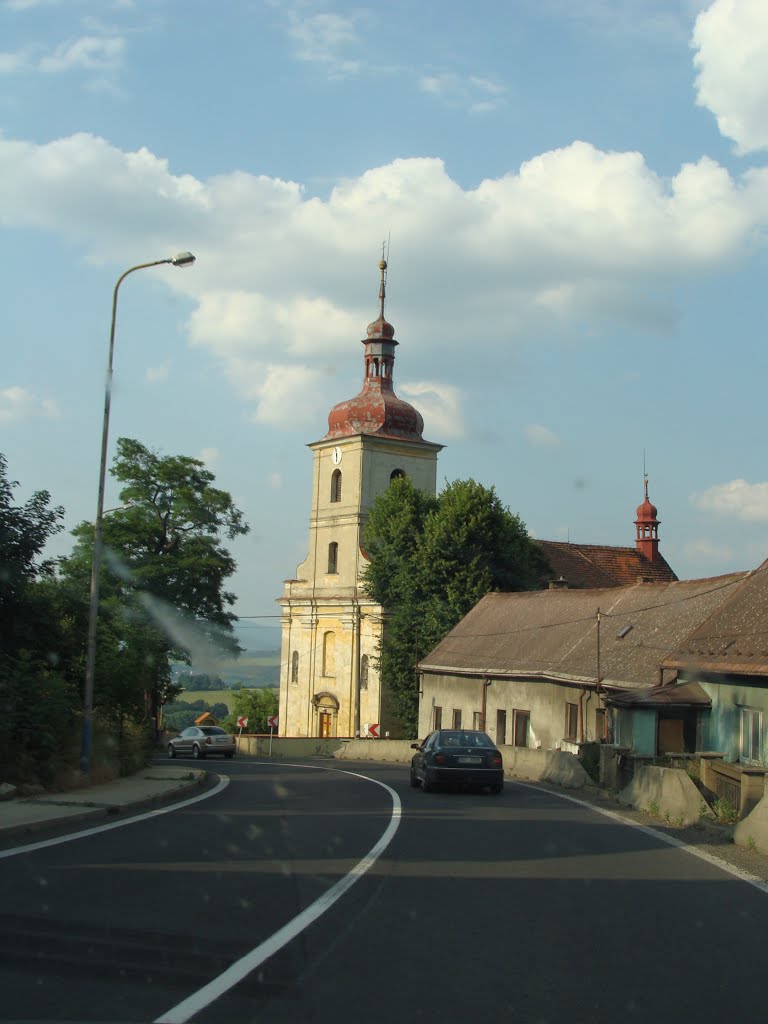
331, 630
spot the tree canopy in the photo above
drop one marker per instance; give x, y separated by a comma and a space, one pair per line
431, 559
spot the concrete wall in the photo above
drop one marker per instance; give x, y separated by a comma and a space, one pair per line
667, 793
543, 700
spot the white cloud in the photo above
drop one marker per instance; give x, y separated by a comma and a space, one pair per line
13, 62
735, 500
92, 53
731, 43
155, 374
280, 277
209, 456
16, 403
473, 93
325, 39
541, 436
702, 551
439, 404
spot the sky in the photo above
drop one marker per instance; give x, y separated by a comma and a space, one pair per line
575, 199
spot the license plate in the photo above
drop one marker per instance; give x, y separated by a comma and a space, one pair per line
469, 760
222, 739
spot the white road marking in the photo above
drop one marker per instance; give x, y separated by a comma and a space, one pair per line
204, 996
70, 837
743, 876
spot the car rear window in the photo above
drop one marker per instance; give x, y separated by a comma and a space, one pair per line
213, 730
460, 738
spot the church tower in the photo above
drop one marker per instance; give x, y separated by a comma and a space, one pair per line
331, 630
647, 527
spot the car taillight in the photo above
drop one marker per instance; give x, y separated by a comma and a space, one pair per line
496, 760
440, 758
208, 739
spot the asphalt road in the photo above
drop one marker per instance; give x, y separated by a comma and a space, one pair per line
519, 907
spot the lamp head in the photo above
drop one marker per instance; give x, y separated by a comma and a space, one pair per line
183, 259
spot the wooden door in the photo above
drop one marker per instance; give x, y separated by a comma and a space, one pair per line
325, 725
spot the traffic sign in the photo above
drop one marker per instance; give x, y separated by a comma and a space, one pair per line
272, 721
373, 730
242, 721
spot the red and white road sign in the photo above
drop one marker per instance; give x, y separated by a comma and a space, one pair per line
242, 721
373, 730
272, 722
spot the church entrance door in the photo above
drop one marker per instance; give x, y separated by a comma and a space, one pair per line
325, 724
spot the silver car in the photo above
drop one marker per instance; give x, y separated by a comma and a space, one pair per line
201, 740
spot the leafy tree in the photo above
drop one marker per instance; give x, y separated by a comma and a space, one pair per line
256, 705
431, 559
163, 582
37, 704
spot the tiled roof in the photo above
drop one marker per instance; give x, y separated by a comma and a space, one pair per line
676, 695
598, 565
553, 633
734, 637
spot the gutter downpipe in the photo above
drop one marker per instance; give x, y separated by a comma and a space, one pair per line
486, 683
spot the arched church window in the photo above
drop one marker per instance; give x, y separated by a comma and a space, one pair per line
396, 474
333, 557
329, 653
364, 672
336, 485
295, 667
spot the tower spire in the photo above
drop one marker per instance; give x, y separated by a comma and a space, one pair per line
647, 524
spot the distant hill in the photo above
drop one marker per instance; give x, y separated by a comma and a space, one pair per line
254, 637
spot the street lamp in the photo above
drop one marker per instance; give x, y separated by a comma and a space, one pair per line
182, 259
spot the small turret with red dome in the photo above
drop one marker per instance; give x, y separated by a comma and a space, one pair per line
647, 526
377, 409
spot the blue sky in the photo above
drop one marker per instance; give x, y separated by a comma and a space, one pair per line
577, 201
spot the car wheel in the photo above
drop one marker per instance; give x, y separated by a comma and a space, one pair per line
496, 788
171, 750
426, 785
230, 756
197, 753
415, 782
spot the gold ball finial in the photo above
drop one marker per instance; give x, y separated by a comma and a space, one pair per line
382, 264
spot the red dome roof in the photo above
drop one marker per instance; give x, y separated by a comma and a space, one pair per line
647, 511
375, 411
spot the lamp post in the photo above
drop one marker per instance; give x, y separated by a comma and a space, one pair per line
182, 259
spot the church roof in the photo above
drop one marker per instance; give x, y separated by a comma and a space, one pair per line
600, 565
376, 409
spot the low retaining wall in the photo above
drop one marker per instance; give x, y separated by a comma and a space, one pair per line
667, 793
555, 766
752, 831
286, 747
376, 750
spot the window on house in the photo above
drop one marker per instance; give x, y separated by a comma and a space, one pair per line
501, 726
437, 717
336, 485
477, 720
457, 718
751, 748
571, 722
396, 474
333, 557
521, 727
295, 667
364, 672
329, 654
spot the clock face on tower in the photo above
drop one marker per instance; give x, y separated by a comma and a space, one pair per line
336, 456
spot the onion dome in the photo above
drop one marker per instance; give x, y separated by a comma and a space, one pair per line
377, 409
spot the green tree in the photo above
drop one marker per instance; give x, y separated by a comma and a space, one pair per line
38, 706
256, 705
163, 583
431, 559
